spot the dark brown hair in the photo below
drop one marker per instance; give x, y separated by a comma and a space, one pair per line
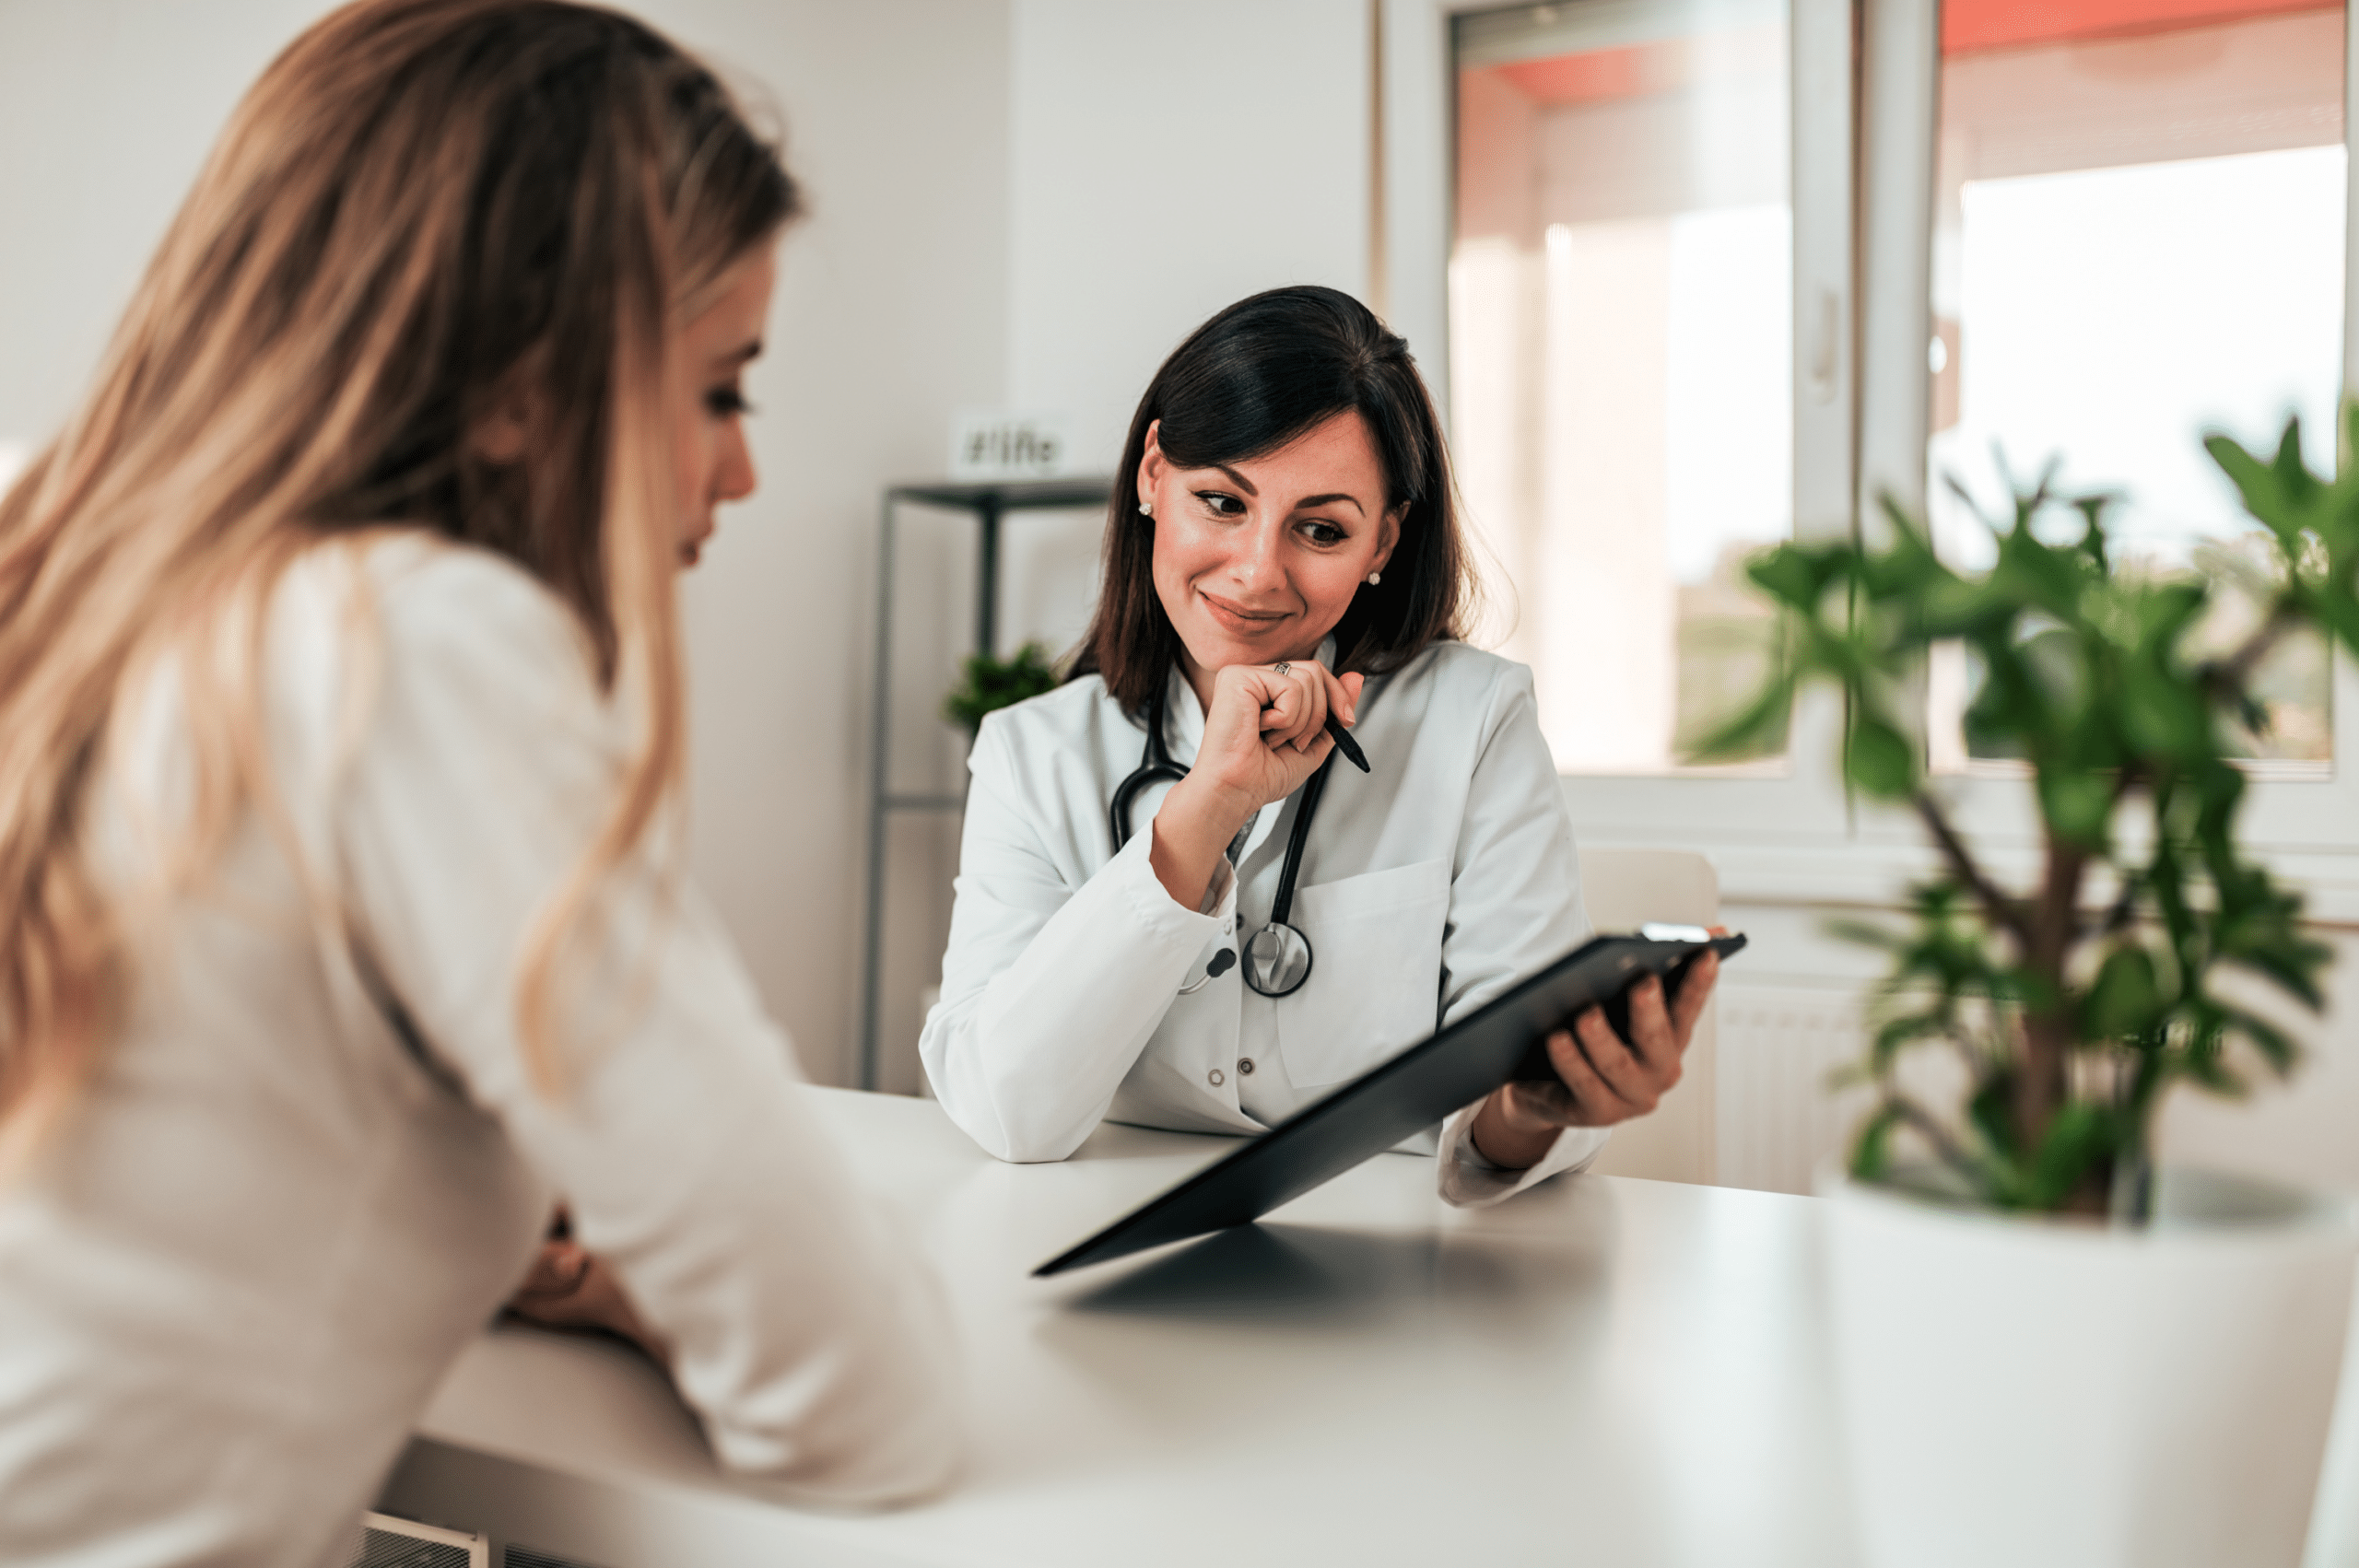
1252, 379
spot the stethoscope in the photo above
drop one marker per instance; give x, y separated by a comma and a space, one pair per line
1277, 958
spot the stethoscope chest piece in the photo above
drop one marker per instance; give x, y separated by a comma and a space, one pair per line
1277, 960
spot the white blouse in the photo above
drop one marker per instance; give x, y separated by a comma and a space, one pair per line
1428, 887
312, 1164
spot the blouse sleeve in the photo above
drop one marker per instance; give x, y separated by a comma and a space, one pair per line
1515, 906
1051, 991
804, 1330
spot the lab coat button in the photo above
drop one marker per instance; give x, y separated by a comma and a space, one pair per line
1216, 1077
1245, 1065
1228, 927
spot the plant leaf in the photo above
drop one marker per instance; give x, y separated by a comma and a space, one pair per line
2077, 805
2127, 999
1880, 759
1871, 1151
2082, 1137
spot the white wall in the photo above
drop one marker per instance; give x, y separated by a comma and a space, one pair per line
1168, 159
1165, 158
891, 312
107, 109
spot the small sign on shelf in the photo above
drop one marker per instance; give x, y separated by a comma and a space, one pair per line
992, 443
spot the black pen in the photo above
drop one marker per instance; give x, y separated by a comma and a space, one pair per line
1344, 744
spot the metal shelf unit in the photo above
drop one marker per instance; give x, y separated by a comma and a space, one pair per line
987, 504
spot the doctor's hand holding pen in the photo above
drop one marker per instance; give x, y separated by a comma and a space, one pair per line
1263, 738
1602, 1079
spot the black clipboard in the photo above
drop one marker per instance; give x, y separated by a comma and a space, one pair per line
1503, 1042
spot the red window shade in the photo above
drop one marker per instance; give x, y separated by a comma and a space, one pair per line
1969, 26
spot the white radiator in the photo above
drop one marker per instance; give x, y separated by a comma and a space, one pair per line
388, 1542
1777, 1047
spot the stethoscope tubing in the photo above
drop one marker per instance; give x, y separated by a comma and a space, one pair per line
1155, 765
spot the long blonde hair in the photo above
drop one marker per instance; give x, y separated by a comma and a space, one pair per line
423, 211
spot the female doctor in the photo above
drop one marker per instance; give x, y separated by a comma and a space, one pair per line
1175, 906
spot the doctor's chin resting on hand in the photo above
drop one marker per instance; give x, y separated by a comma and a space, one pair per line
1177, 905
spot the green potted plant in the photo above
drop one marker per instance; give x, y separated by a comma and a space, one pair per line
2049, 1351
986, 685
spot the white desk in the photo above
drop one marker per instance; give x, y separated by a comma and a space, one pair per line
1604, 1371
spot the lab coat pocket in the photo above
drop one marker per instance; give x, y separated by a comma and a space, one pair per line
1375, 984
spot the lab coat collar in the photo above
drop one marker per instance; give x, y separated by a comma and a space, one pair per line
1184, 717
1183, 734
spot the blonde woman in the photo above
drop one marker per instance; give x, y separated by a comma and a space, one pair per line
342, 932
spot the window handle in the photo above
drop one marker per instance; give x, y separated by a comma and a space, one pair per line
1826, 338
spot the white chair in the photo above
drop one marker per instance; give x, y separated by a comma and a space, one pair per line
1622, 889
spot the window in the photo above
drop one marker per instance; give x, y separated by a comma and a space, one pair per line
1621, 331
2137, 235
2086, 226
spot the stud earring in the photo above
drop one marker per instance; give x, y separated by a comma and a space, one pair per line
1375, 578
1146, 508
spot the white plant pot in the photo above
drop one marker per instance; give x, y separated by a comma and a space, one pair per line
2031, 1391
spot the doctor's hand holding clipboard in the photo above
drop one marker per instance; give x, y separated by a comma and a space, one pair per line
1173, 907
1603, 1079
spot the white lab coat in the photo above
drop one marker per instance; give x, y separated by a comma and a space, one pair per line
1428, 887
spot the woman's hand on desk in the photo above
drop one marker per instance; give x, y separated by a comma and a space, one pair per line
1603, 1079
569, 1288
1264, 734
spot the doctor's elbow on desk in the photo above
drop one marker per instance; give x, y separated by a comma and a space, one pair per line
1014, 1119
1017, 1140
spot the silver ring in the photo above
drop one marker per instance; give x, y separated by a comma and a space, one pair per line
1279, 668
